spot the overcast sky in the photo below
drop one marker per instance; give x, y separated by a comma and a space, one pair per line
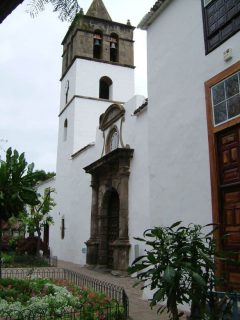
30, 69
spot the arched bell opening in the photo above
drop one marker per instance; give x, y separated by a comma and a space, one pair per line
97, 44
114, 47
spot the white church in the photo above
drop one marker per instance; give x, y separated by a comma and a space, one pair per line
126, 163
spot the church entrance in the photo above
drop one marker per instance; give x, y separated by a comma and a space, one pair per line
113, 226
109, 245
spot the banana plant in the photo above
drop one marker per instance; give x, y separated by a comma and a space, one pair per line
17, 187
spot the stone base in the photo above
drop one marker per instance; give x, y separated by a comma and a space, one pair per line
92, 251
121, 254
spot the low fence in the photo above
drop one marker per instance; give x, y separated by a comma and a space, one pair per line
116, 293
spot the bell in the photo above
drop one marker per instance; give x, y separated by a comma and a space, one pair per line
113, 45
97, 42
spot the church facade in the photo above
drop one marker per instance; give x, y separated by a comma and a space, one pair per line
126, 163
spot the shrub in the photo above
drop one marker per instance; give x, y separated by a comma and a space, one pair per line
178, 266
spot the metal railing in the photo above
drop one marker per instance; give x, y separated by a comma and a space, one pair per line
115, 292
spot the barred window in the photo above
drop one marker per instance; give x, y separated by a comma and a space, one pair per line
221, 20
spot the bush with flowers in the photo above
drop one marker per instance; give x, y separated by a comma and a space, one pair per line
30, 299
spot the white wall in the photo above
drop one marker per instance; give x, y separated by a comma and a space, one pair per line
178, 142
84, 76
74, 193
86, 120
135, 133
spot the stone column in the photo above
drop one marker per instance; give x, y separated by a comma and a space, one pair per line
122, 245
92, 243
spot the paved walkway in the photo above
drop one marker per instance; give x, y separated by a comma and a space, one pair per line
138, 308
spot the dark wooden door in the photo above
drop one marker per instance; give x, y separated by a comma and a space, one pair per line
113, 226
228, 143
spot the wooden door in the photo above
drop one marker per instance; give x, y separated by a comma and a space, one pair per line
228, 149
113, 226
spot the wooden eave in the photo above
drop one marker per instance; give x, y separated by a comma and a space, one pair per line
6, 7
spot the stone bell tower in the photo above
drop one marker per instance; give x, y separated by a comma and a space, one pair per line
97, 70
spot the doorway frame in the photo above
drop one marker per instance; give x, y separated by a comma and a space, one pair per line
212, 142
110, 172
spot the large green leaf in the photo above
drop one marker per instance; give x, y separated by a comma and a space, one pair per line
169, 275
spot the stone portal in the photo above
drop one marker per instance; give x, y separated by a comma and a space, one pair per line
109, 245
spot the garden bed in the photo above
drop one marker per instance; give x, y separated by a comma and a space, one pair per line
13, 260
46, 299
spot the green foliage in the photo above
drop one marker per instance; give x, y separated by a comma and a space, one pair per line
17, 182
43, 175
67, 9
178, 266
7, 259
31, 298
13, 260
37, 217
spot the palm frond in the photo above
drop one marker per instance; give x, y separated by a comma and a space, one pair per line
67, 9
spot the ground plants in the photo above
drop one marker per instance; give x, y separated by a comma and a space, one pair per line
13, 260
178, 265
28, 299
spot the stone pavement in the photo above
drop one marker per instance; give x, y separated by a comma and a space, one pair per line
138, 308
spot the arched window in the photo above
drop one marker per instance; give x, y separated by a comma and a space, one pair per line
65, 130
97, 45
114, 47
105, 88
112, 140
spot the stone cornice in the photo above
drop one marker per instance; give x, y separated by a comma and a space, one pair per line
96, 60
87, 98
109, 159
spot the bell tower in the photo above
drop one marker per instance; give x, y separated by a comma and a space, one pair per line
97, 70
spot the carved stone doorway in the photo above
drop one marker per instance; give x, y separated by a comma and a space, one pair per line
111, 205
108, 245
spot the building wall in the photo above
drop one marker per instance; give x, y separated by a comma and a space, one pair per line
86, 107
74, 193
178, 139
84, 76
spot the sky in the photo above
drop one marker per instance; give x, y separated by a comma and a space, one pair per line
30, 69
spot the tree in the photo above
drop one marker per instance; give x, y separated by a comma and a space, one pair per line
43, 175
179, 267
17, 184
67, 9
37, 217
17, 187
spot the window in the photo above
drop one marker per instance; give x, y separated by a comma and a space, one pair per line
65, 130
105, 88
97, 45
226, 99
221, 20
62, 228
113, 48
